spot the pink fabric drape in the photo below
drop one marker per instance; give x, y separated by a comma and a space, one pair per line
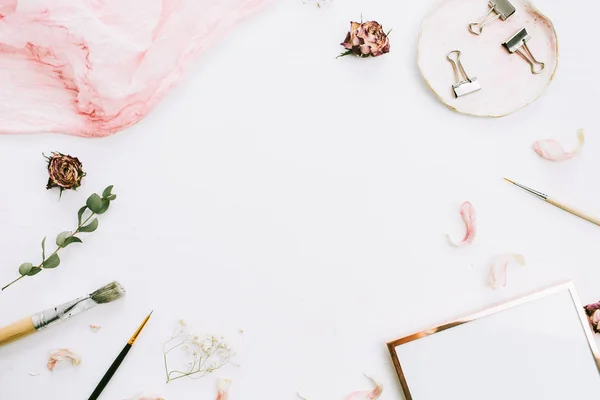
94, 67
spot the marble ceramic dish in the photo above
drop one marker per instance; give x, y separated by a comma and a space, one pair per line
507, 84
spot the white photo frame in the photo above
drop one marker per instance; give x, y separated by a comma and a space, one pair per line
536, 347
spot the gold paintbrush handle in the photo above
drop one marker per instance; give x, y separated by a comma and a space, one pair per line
16, 330
574, 211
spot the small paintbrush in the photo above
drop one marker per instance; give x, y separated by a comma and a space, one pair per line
51, 316
564, 207
115, 365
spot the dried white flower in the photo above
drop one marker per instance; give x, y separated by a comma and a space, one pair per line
207, 345
197, 357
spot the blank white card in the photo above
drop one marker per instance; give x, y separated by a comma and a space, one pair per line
537, 347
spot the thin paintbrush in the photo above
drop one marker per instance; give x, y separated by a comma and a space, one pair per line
115, 365
51, 316
564, 207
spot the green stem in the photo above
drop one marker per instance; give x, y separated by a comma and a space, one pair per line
346, 53
166, 367
16, 280
55, 252
183, 374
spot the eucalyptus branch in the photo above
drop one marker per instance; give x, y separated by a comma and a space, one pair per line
95, 205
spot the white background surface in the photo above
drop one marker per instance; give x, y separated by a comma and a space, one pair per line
304, 200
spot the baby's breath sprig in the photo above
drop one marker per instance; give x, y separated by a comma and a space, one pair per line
86, 222
199, 356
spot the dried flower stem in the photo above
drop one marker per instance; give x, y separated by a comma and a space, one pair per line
206, 356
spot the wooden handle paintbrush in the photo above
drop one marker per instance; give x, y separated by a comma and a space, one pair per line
51, 316
555, 203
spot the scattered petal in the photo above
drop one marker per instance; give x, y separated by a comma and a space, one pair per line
223, 385
33, 373
467, 212
302, 397
554, 151
62, 355
367, 394
593, 313
95, 328
182, 322
497, 278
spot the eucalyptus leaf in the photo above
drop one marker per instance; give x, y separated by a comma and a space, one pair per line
25, 268
112, 197
104, 206
91, 227
94, 203
44, 249
80, 214
34, 271
108, 191
52, 262
72, 239
60, 239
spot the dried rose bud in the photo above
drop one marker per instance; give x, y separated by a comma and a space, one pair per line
65, 172
593, 313
366, 39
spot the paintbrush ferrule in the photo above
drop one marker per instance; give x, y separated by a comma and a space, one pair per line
534, 192
65, 311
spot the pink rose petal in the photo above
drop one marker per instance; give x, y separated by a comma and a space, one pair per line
467, 213
62, 355
554, 151
497, 276
95, 328
367, 394
595, 321
92, 68
224, 385
596, 317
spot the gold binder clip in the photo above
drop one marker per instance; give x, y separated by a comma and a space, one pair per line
464, 84
518, 44
503, 10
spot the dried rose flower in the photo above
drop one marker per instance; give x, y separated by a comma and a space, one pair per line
366, 39
593, 313
64, 171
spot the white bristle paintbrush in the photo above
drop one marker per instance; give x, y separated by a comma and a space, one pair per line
51, 316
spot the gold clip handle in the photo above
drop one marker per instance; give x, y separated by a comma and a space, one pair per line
477, 27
